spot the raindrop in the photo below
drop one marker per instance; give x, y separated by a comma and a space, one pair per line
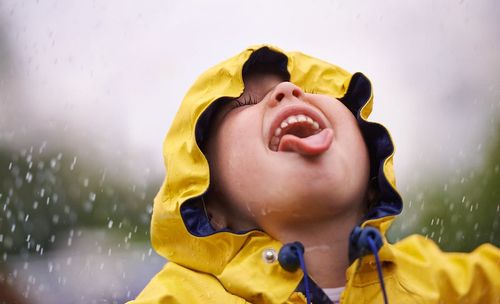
70, 240
28, 237
87, 206
53, 163
42, 147
55, 219
92, 196
28, 177
73, 163
86, 182
51, 267
13, 228
35, 205
42, 192
110, 224
37, 248
53, 238
1, 238
26, 218
10, 166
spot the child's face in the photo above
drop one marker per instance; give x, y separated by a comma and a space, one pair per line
269, 179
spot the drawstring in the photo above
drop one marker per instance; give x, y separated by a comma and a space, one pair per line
290, 257
306, 276
374, 249
364, 240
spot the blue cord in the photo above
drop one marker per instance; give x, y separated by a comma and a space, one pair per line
306, 276
374, 249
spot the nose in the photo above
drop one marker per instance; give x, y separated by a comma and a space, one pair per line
285, 91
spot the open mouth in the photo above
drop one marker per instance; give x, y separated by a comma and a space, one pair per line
301, 126
301, 131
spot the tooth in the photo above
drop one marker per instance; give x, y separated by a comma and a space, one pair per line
292, 119
315, 125
301, 118
284, 124
309, 120
275, 141
277, 132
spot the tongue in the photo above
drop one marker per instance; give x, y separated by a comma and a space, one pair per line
312, 145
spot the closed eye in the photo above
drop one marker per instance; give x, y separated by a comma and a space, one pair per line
246, 101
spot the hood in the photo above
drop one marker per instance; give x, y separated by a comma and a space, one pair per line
180, 230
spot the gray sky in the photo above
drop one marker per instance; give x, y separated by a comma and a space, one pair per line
111, 74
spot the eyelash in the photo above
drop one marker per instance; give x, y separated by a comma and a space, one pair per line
249, 100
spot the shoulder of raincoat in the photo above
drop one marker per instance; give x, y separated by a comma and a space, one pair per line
209, 266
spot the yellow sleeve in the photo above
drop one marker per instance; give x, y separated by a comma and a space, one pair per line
175, 284
450, 277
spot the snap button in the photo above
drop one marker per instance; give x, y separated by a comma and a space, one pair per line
269, 255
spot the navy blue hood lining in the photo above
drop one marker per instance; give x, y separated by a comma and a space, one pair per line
380, 147
376, 137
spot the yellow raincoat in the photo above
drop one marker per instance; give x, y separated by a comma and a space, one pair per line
208, 266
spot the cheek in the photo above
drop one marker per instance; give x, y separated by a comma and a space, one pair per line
238, 146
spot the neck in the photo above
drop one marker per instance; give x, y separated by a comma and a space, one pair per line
326, 247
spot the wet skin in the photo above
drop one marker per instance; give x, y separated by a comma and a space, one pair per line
255, 186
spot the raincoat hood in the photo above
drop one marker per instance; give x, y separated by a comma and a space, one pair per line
180, 229
209, 266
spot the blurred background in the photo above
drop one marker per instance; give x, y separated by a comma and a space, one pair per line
88, 90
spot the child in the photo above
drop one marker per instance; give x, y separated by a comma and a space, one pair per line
279, 190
